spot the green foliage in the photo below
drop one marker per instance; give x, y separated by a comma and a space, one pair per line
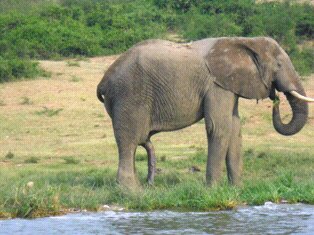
72, 28
268, 176
16, 68
26, 101
34, 29
76, 79
33, 160
71, 160
49, 112
304, 21
9, 155
29, 203
163, 158
73, 63
201, 26
141, 157
303, 60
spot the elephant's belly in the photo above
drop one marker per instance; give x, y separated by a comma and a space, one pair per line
176, 116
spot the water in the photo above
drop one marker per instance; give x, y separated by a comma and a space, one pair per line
267, 219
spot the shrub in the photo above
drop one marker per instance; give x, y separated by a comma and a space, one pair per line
9, 155
26, 101
32, 160
15, 68
49, 112
304, 21
69, 28
303, 61
71, 160
202, 26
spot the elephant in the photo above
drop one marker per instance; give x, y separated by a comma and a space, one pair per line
159, 85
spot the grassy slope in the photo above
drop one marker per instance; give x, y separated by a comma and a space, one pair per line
58, 121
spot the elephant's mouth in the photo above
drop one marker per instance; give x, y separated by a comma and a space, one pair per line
299, 105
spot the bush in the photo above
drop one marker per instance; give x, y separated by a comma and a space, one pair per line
9, 155
303, 61
67, 28
15, 68
304, 21
71, 160
32, 160
73, 28
202, 26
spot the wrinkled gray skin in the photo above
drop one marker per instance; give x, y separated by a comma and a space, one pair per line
160, 86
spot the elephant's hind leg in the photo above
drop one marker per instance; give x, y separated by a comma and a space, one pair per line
126, 170
234, 159
151, 162
130, 126
126, 134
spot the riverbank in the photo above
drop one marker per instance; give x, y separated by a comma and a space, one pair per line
55, 134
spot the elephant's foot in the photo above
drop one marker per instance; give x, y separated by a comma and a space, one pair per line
235, 181
150, 181
129, 181
211, 182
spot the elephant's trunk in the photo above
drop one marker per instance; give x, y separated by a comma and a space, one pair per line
299, 115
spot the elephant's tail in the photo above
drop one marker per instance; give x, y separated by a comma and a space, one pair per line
100, 94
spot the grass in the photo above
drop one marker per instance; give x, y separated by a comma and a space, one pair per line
75, 157
9, 155
33, 160
57, 187
26, 101
49, 112
73, 63
71, 160
75, 79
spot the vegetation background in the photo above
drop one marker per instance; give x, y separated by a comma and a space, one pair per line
57, 149
54, 29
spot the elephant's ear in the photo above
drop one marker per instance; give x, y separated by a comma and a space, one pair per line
241, 65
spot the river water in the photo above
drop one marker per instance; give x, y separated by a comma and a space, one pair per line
267, 219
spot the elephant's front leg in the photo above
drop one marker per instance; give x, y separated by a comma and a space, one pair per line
234, 160
218, 112
217, 150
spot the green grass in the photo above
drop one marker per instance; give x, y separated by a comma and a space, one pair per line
73, 63
270, 176
9, 155
75, 79
71, 160
49, 112
33, 160
26, 101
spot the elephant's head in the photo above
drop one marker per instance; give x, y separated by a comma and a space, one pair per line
254, 68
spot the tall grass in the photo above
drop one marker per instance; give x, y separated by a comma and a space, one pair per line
268, 177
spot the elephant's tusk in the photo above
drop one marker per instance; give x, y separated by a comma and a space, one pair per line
301, 97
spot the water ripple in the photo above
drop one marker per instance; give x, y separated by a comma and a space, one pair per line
267, 219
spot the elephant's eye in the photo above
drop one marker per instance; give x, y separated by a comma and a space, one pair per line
279, 64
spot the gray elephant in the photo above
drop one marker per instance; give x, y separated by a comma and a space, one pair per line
159, 85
